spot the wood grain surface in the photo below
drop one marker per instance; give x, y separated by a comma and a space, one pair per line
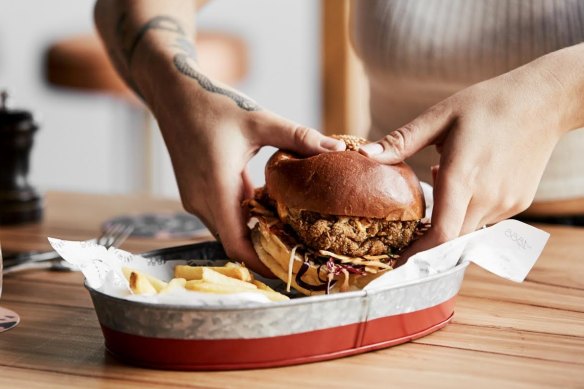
503, 334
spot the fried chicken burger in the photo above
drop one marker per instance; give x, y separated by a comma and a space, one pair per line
335, 221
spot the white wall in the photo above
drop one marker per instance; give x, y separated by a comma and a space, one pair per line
74, 145
92, 142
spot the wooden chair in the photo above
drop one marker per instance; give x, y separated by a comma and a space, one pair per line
345, 90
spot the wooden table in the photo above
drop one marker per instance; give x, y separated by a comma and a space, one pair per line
503, 334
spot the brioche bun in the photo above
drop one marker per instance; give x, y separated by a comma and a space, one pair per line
345, 183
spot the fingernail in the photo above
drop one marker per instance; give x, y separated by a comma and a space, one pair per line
332, 144
371, 149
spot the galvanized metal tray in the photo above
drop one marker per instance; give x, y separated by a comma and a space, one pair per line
303, 329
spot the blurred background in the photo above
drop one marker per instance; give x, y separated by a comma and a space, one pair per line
98, 139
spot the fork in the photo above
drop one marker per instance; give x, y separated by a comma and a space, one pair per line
113, 236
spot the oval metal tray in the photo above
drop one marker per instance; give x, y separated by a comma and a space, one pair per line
300, 330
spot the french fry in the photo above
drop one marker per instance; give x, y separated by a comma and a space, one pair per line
209, 275
208, 287
196, 272
245, 272
233, 278
262, 286
155, 282
212, 287
213, 276
127, 271
174, 284
274, 296
140, 284
271, 293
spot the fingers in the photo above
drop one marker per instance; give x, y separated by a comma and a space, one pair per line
220, 210
452, 197
472, 221
230, 221
414, 136
451, 202
276, 131
489, 206
509, 206
480, 212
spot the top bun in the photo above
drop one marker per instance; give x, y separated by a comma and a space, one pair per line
345, 183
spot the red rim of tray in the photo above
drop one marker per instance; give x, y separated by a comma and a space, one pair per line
313, 346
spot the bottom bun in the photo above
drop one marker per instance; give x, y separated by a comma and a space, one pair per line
275, 255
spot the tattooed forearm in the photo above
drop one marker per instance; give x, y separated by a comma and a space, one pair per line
183, 66
128, 41
185, 46
165, 23
118, 59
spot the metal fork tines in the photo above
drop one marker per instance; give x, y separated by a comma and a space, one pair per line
112, 236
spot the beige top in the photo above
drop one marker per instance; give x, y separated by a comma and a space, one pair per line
418, 52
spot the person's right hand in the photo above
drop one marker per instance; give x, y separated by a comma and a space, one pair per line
211, 138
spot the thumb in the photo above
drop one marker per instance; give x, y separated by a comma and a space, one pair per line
276, 131
409, 139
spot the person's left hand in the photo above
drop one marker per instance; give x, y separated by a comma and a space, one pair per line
494, 140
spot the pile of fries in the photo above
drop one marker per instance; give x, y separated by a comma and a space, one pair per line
231, 278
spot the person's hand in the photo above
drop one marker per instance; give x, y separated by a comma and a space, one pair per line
211, 131
211, 139
494, 140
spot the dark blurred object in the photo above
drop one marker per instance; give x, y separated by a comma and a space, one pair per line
567, 220
19, 201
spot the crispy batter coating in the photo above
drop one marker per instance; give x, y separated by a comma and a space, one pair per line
348, 235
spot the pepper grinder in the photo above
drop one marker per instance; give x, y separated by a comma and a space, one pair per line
19, 201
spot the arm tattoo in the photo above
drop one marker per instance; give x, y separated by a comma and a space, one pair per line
186, 51
183, 66
119, 55
165, 23
185, 46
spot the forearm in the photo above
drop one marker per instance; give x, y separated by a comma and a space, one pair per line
151, 43
559, 79
142, 35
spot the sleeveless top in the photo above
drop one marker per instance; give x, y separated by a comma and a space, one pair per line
418, 52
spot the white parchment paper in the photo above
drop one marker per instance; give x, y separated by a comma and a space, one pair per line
102, 269
508, 249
